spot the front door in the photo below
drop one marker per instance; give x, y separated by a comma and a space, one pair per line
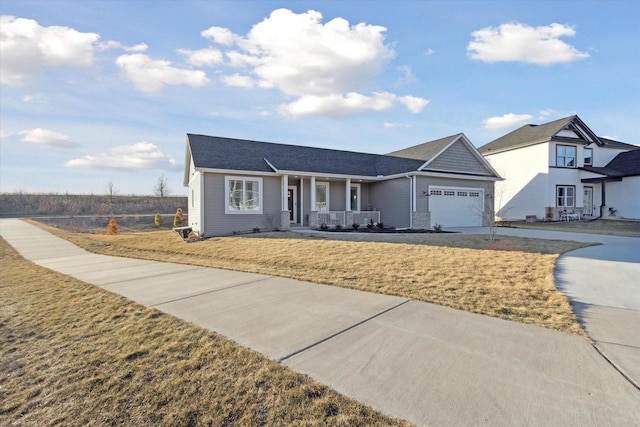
292, 204
588, 201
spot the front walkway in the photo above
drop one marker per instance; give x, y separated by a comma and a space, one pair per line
428, 364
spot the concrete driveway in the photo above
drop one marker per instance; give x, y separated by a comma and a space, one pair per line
428, 364
603, 284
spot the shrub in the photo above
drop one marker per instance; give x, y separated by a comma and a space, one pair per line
112, 227
380, 225
370, 224
323, 226
338, 226
178, 218
355, 226
157, 220
437, 228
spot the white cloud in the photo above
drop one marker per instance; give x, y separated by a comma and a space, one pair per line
317, 63
27, 48
47, 137
239, 81
150, 75
408, 76
413, 103
5, 134
522, 43
350, 103
392, 125
202, 57
111, 44
142, 155
220, 35
506, 121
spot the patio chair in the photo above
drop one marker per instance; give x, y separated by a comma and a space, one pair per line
568, 216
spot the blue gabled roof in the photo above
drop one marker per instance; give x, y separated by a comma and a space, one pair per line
212, 152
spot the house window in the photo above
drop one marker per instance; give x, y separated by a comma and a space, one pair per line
322, 196
565, 196
566, 156
449, 193
355, 197
244, 195
588, 156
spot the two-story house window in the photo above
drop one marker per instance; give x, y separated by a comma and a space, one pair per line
566, 156
565, 196
588, 156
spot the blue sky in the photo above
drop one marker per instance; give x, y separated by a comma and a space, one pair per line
99, 91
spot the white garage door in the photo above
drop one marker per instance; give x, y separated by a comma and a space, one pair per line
456, 207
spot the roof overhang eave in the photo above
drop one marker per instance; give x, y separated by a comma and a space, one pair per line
445, 175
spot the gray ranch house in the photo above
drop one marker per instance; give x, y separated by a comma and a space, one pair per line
238, 185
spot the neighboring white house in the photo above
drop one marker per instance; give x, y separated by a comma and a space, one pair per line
563, 165
239, 185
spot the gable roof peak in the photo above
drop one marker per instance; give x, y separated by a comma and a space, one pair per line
532, 134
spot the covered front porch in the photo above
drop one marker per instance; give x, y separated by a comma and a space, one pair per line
318, 201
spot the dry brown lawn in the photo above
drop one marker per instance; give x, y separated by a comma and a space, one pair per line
74, 354
511, 278
615, 227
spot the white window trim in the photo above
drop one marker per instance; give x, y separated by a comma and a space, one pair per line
326, 185
358, 186
573, 187
584, 157
227, 210
575, 157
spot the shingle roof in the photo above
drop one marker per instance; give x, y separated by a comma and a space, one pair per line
425, 151
610, 143
213, 152
526, 135
627, 163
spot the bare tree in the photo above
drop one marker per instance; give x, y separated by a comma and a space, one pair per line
112, 190
161, 189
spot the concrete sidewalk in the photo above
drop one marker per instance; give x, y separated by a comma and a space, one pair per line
425, 363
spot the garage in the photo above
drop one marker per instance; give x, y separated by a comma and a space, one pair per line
456, 207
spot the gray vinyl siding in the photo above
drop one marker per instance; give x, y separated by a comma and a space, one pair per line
423, 183
458, 158
392, 199
337, 196
194, 201
365, 204
217, 222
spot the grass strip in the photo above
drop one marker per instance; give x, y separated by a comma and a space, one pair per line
74, 354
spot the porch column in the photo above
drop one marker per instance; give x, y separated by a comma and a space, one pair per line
348, 215
347, 190
302, 201
285, 223
313, 213
284, 179
313, 193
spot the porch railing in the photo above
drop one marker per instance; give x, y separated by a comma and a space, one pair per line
331, 218
364, 217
